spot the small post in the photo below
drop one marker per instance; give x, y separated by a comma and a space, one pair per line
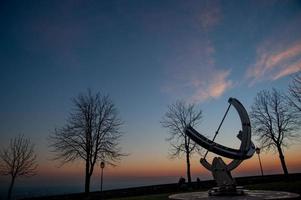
102, 165
258, 153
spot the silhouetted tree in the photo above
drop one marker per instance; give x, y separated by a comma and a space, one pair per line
295, 92
176, 119
274, 122
91, 133
18, 160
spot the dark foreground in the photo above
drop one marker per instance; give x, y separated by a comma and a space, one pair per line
291, 183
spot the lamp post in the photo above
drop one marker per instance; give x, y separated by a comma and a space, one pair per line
258, 153
102, 165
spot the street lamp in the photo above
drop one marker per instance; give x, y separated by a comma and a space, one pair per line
102, 165
258, 153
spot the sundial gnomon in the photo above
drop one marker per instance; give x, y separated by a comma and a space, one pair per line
220, 170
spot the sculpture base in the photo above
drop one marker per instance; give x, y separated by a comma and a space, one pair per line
227, 191
248, 194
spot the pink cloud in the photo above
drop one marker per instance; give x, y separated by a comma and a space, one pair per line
276, 59
274, 62
193, 74
278, 55
215, 86
289, 69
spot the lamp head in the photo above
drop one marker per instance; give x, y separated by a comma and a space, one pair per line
257, 150
102, 164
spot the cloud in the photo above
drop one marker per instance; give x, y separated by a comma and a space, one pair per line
192, 72
213, 87
193, 75
278, 55
289, 69
210, 15
207, 83
275, 61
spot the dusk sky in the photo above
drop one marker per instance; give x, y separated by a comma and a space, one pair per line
145, 55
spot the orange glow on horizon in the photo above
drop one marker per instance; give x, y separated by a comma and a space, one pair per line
164, 167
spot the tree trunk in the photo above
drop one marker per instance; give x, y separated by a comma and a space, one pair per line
11, 187
283, 164
87, 178
188, 168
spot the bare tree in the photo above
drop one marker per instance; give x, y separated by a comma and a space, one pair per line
91, 133
176, 119
18, 160
295, 92
274, 122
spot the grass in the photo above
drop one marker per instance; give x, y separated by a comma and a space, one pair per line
289, 186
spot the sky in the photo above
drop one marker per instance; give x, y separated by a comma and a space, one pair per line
145, 55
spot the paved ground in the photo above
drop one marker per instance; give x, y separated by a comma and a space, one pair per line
250, 195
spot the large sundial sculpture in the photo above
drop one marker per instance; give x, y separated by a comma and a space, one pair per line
220, 170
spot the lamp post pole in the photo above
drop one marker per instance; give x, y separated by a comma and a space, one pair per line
102, 165
258, 153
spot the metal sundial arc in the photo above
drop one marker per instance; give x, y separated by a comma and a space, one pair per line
246, 149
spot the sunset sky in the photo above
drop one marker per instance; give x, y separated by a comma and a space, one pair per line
145, 55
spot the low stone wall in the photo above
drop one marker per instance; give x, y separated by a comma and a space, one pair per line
169, 188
